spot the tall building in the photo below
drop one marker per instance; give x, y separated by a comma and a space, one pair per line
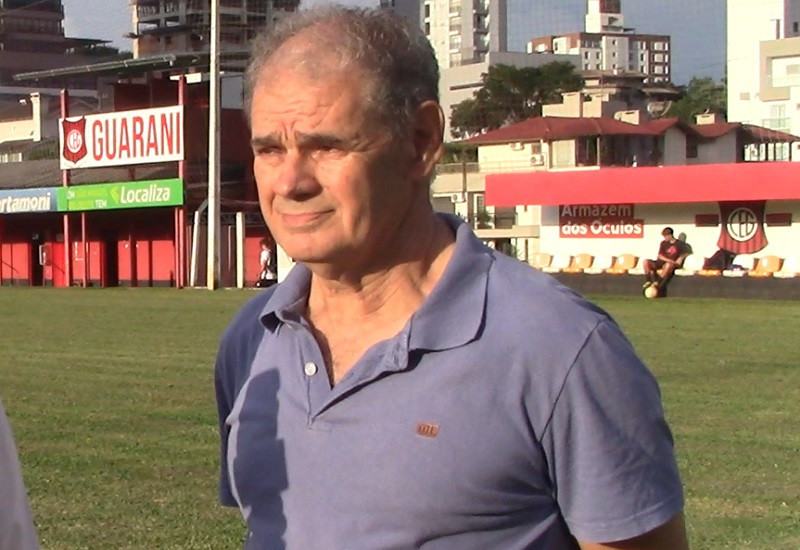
161, 26
764, 63
607, 45
464, 31
31, 39
697, 28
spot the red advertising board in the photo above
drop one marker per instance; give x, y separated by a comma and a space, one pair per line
599, 221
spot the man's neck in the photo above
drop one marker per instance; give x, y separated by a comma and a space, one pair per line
398, 288
353, 311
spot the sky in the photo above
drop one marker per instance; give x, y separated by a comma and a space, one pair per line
697, 27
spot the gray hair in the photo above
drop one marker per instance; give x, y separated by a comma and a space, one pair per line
396, 57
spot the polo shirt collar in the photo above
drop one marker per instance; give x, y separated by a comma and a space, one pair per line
451, 316
453, 313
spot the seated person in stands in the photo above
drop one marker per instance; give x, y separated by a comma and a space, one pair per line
671, 253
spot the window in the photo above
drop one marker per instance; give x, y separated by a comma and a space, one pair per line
427, 29
586, 55
795, 27
427, 10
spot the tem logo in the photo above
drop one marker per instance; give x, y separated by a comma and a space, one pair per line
742, 224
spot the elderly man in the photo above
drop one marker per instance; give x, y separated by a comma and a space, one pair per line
405, 386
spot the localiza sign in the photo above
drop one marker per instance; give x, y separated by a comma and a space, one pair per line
22, 201
125, 137
113, 196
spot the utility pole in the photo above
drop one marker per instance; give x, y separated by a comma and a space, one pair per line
213, 241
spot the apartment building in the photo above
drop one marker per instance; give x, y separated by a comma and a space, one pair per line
31, 39
464, 31
764, 64
607, 45
161, 26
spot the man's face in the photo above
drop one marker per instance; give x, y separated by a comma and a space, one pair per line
668, 237
332, 183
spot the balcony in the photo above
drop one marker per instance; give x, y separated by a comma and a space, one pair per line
480, 6
781, 124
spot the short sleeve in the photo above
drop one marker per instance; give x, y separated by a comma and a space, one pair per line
609, 449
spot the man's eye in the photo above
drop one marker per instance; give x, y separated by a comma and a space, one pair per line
269, 151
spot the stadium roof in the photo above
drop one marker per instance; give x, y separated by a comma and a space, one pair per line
561, 128
126, 68
742, 181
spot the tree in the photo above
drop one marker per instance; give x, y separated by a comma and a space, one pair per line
701, 95
510, 94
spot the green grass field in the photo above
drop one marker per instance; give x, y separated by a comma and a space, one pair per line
110, 396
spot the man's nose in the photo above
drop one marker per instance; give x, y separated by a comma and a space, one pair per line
296, 178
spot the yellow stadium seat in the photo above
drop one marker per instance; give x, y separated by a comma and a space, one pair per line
600, 264
560, 261
766, 266
623, 263
541, 260
579, 263
789, 269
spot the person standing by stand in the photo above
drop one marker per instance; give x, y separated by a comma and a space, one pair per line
268, 260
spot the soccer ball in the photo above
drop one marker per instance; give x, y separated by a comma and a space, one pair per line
651, 291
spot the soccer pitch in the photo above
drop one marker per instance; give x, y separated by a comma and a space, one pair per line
110, 395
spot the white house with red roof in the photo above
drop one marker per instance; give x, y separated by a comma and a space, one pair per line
607, 186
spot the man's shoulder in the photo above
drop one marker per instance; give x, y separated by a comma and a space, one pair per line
532, 297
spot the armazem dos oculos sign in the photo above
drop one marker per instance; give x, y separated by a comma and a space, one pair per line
125, 137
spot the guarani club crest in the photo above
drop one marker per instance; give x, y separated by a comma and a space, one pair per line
74, 139
742, 227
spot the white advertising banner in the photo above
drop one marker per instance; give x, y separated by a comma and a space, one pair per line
140, 136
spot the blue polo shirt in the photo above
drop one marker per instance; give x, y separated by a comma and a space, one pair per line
508, 413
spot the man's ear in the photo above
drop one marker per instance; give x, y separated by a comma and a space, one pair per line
427, 130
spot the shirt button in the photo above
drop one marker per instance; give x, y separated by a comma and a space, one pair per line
310, 369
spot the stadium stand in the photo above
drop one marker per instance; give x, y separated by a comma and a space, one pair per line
559, 262
789, 269
766, 266
741, 265
541, 260
692, 264
600, 264
622, 264
579, 263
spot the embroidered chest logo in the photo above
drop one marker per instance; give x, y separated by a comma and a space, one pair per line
427, 429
